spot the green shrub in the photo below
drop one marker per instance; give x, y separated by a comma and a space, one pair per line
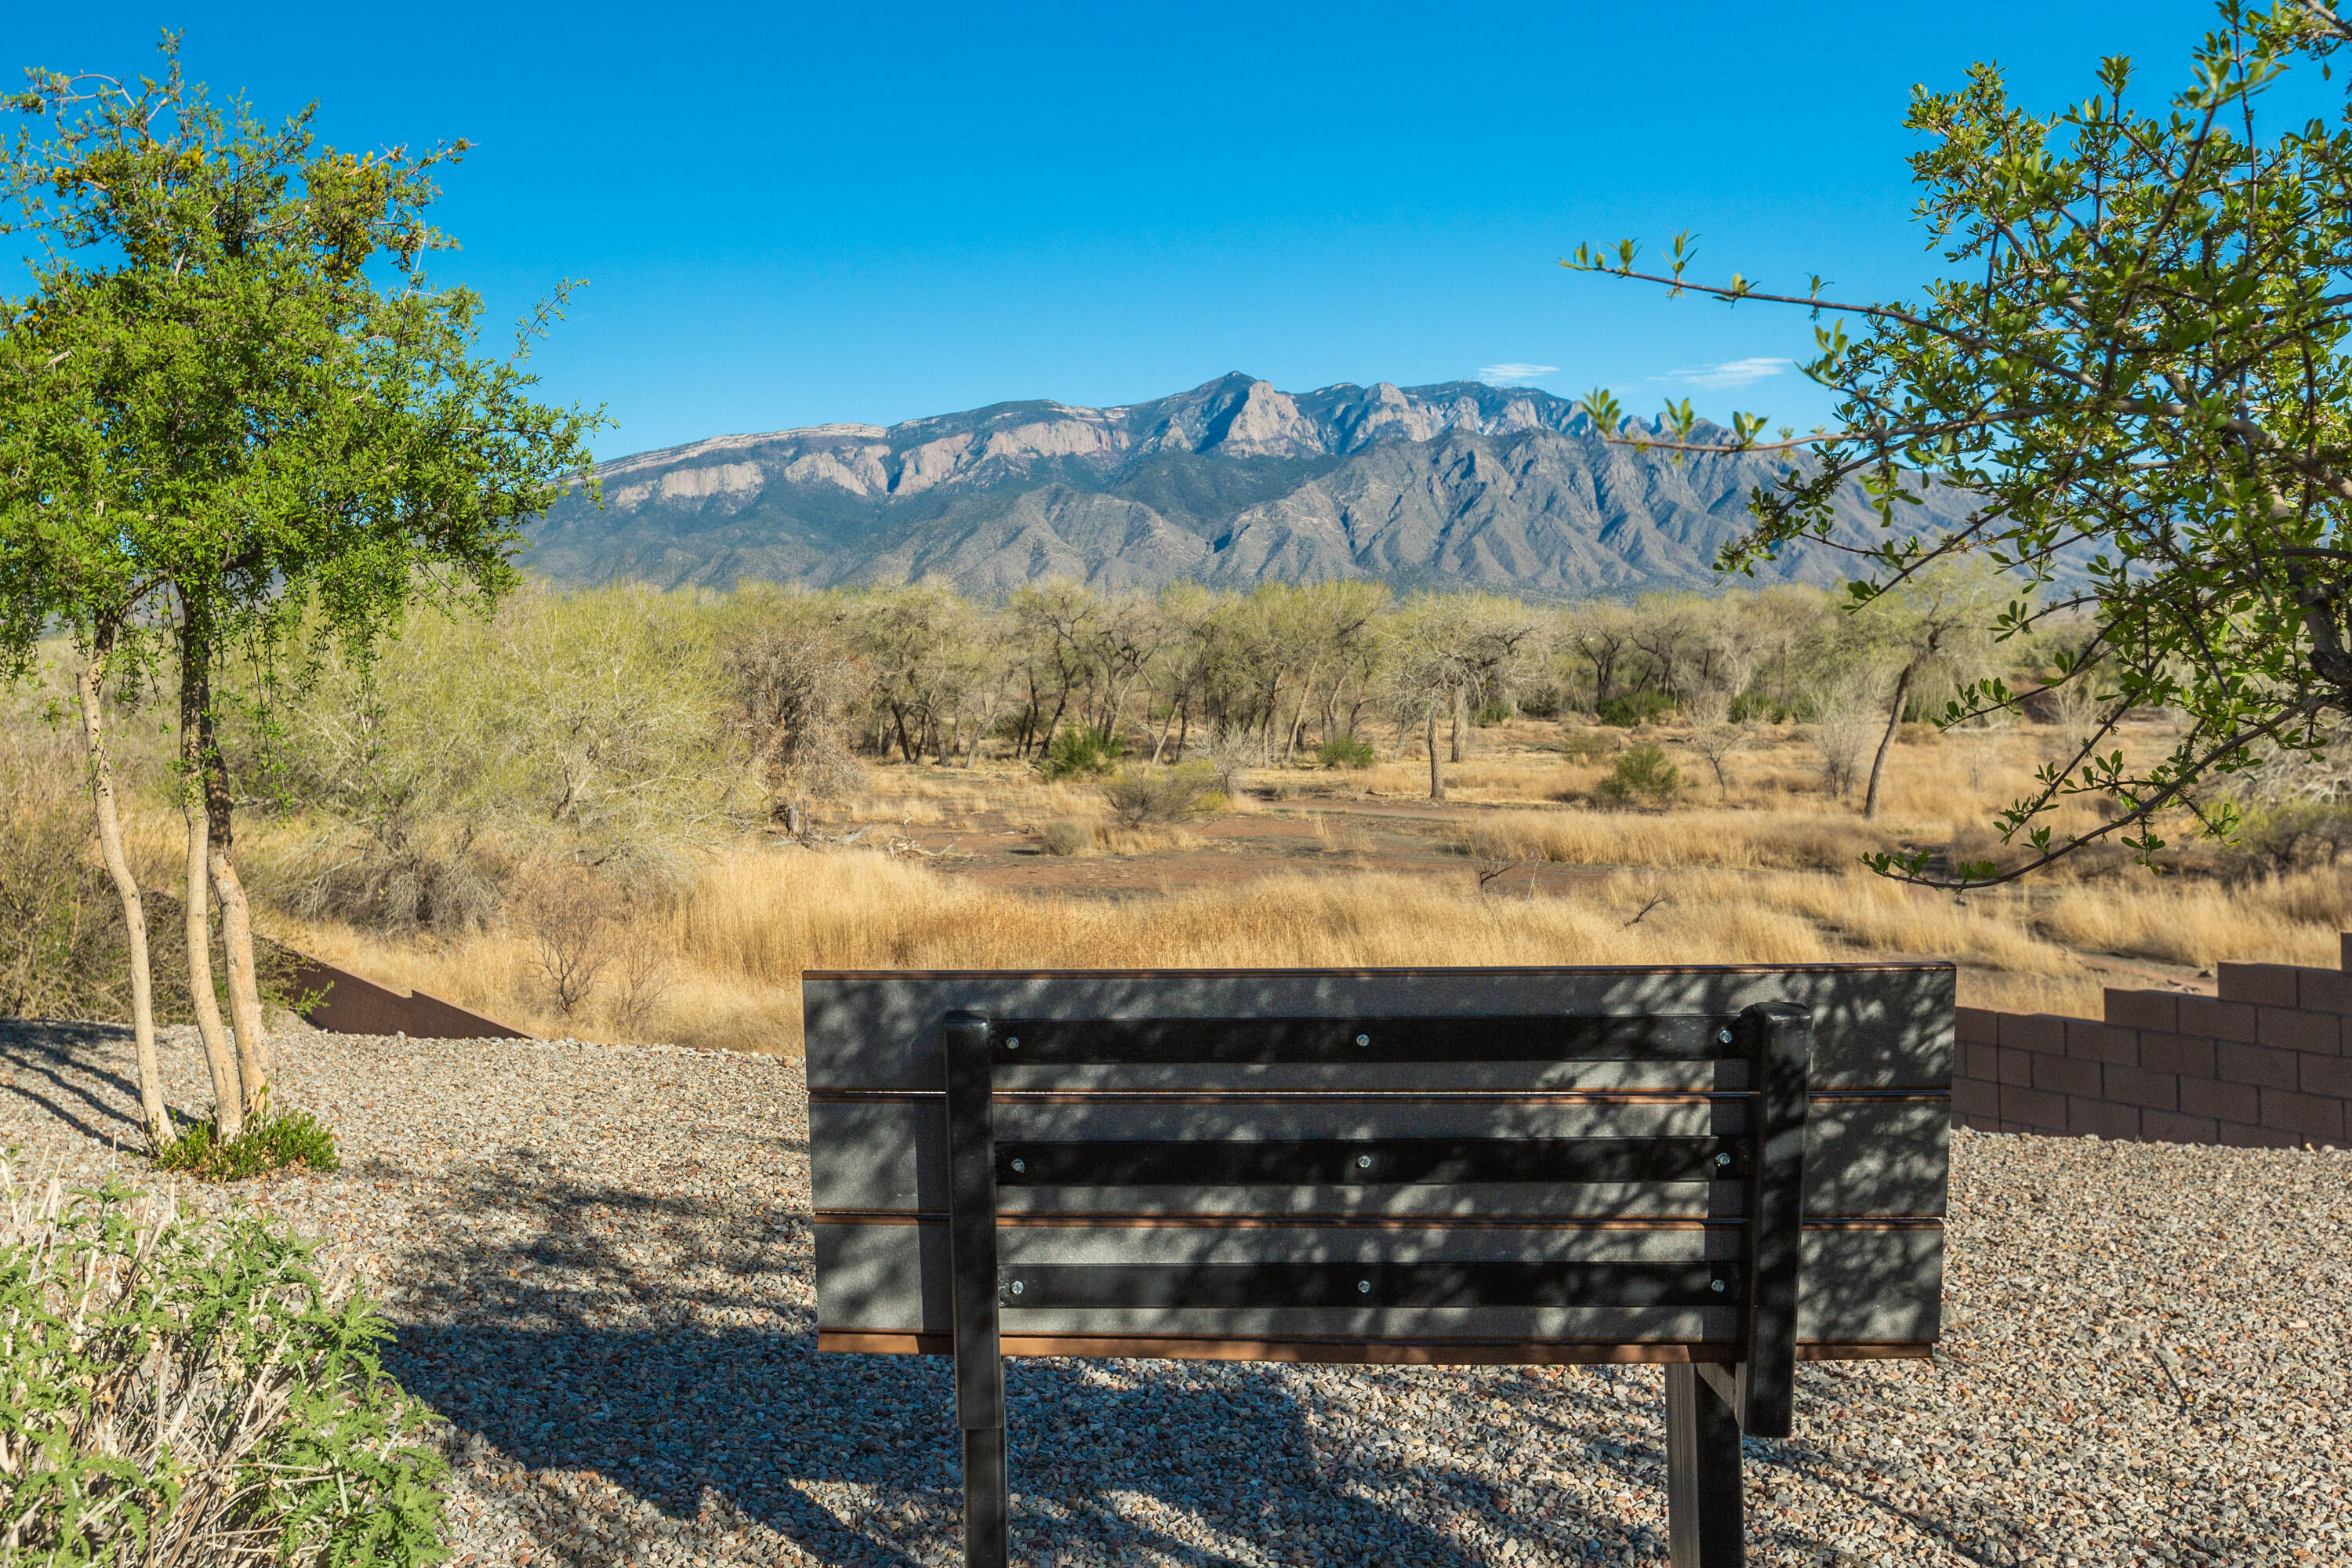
265, 1143
1539, 701
1140, 795
1634, 710
1587, 749
1642, 773
1345, 752
192, 1391
1498, 712
1078, 750
1067, 836
1747, 707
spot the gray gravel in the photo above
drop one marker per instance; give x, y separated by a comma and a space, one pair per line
599, 1261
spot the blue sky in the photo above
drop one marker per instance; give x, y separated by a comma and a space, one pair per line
793, 214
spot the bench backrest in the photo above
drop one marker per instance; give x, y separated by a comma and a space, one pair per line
1396, 1165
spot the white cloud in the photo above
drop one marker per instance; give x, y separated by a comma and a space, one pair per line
1727, 377
1513, 374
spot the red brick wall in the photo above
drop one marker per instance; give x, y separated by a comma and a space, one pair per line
2265, 1063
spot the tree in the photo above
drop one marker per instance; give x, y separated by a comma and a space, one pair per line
1931, 623
282, 441
1443, 650
2137, 358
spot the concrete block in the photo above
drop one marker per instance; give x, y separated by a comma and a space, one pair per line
2101, 1117
2256, 1065
2235, 1135
2177, 1053
1981, 1098
2172, 1127
2066, 1075
2143, 1009
2294, 1029
2150, 1090
1977, 1025
2329, 1076
2014, 1066
2092, 1042
2222, 1101
2273, 985
2323, 990
2033, 1032
2313, 1116
2217, 1019
2032, 1110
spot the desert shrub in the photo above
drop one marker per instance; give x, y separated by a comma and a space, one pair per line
1493, 710
194, 1392
1749, 708
596, 727
1540, 701
1077, 752
1067, 836
279, 1142
1641, 773
2291, 836
1587, 749
1140, 795
570, 917
1634, 710
1345, 752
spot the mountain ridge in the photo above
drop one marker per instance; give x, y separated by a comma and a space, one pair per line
1458, 484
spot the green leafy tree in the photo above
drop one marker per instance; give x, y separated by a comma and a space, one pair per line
2135, 355
286, 436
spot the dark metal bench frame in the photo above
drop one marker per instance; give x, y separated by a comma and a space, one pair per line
1708, 1406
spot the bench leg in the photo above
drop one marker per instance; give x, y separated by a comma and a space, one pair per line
985, 1544
1703, 1521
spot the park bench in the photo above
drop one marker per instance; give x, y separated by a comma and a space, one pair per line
1724, 1169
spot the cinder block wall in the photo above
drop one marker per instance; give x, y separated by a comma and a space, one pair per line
2265, 1063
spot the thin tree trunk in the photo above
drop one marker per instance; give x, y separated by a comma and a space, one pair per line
1461, 721
237, 923
1429, 735
1168, 724
1886, 743
1298, 717
220, 1058
90, 680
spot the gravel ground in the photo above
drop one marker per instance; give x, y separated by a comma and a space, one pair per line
600, 1262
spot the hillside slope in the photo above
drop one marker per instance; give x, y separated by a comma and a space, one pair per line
1232, 483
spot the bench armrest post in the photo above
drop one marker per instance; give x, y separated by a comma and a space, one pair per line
973, 1272
1779, 1039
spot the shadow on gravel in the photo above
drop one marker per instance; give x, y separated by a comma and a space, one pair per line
67, 1057
593, 1336
746, 1415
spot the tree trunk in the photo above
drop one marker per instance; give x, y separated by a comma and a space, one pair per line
1461, 721
91, 683
228, 1090
1429, 735
237, 923
1298, 717
1886, 743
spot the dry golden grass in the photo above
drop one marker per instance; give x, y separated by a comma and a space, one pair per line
1766, 871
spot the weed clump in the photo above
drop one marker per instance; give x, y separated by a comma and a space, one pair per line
1642, 775
267, 1144
248, 1387
1138, 796
1345, 752
1077, 752
1067, 836
1634, 711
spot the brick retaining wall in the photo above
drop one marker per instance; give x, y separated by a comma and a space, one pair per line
2267, 1063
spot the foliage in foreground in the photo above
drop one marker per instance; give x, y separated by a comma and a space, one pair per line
2137, 353
1641, 773
1143, 795
265, 1143
194, 1393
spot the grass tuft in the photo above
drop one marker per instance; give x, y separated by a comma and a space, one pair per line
265, 1143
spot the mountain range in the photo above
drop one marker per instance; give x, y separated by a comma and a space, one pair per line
1232, 483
